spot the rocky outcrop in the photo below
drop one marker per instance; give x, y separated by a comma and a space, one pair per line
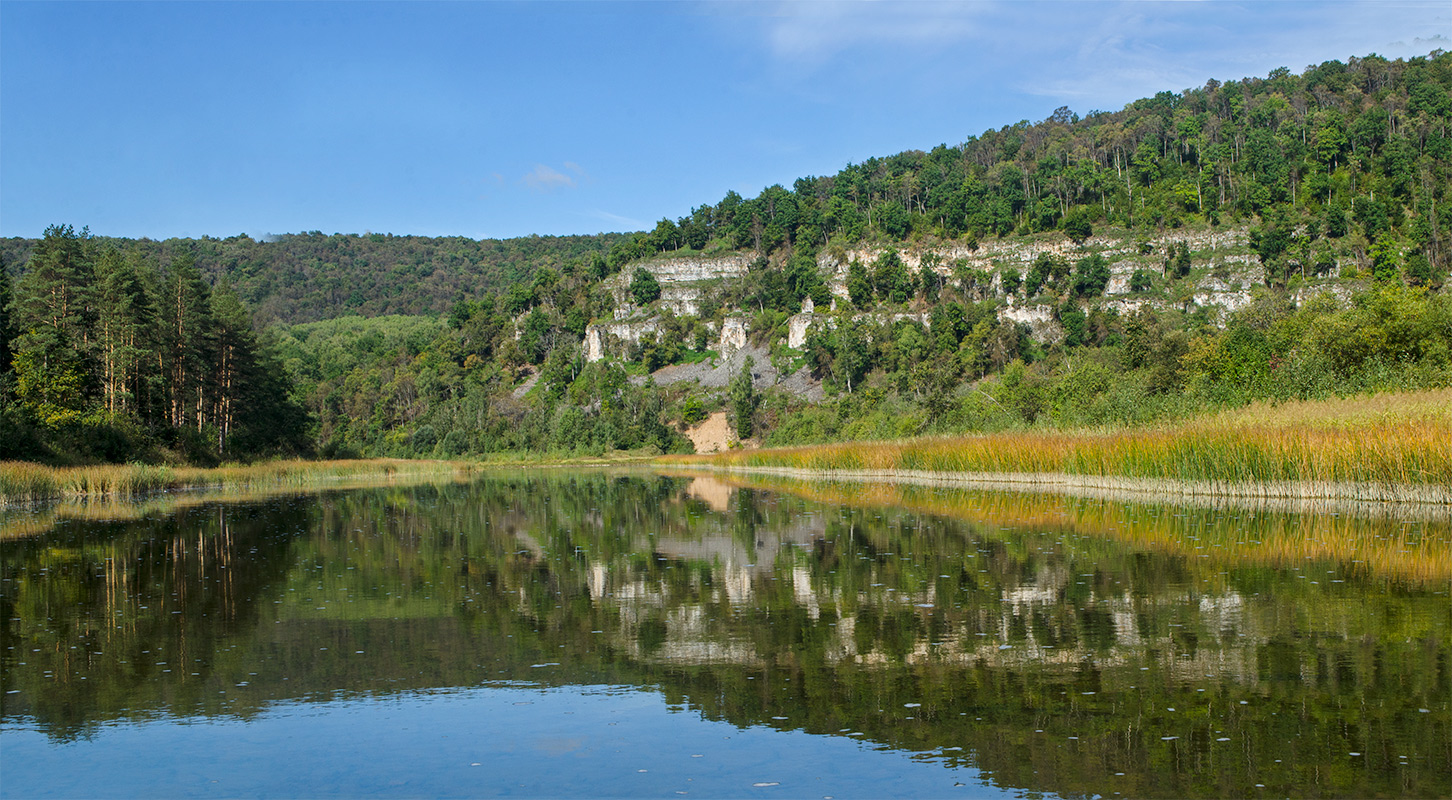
733, 336
681, 282
1222, 255
1039, 319
613, 338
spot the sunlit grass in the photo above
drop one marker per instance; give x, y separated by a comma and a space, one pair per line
23, 481
1365, 442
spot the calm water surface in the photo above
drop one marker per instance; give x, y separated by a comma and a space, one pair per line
592, 634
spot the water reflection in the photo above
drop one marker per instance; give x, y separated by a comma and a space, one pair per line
1059, 646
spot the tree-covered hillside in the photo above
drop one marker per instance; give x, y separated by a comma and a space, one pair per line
1273, 237
310, 276
1360, 149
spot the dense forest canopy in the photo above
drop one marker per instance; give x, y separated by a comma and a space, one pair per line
304, 277
1361, 148
1335, 182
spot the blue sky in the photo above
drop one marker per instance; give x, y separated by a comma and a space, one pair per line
504, 119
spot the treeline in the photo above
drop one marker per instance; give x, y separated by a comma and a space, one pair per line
973, 372
1359, 149
107, 355
401, 386
407, 386
312, 276
1342, 171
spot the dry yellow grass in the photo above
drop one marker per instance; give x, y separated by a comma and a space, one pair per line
1383, 440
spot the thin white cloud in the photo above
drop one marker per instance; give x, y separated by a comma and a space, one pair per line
545, 179
626, 223
1136, 49
1094, 54
814, 31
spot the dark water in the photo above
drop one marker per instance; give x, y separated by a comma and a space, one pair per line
605, 635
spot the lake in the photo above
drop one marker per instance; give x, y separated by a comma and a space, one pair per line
577, 633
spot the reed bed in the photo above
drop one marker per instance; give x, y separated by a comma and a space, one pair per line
1400, 440
24, 481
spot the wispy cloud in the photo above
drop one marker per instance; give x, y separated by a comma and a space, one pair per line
626, 223
546, 179
1082, 52
817, 30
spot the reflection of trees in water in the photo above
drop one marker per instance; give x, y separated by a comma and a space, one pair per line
97, 616
772, 606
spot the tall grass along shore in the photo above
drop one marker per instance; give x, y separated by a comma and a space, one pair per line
24, 481
1382, 446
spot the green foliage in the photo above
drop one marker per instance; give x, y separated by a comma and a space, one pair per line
693, 410
117, 362
1141, 281
890, 280
644, 288
310, 276
744, 400
1091, 275
1177, 258
1049, 271
1078, 225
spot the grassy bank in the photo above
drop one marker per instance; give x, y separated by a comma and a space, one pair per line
22, 481
1390, 439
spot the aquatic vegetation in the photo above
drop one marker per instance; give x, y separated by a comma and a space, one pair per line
1345, 447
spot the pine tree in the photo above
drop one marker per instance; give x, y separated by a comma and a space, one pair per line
53, 314
125, 316
234, 359
7, 332
186, 343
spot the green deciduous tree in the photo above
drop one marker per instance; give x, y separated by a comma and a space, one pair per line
644, 288
743, 400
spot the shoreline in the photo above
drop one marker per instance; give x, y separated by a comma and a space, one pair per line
23, 482
1374, 499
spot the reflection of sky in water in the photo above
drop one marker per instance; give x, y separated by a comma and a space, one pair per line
313, 645
494, 741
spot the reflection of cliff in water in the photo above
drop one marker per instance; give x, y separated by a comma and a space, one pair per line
752, 607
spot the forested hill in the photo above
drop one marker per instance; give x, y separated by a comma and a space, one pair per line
1360, 149
311, 276
1367, 142
1265, 238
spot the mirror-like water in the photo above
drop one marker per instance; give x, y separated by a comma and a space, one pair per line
591, 634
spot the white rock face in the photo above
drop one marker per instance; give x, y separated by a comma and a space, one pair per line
1040, 319
797, 328
733, 336
594, 348
1229, 288
679, 280
1127, 306
599, 337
